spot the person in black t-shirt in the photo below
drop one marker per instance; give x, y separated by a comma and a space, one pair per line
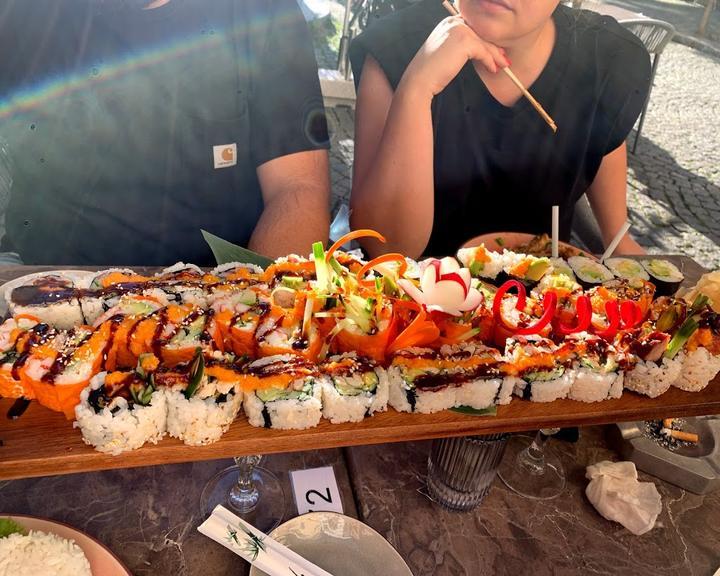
446, 148
132, 124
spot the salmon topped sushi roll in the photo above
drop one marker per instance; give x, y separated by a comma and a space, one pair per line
13, 343
541, 370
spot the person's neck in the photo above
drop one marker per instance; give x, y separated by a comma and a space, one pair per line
533, 49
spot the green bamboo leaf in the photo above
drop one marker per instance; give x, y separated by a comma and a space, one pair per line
226, 252
491, 411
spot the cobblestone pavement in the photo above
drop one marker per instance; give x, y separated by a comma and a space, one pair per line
673, 179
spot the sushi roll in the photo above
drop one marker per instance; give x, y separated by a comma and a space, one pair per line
481, 262
627, 269
526, 268
597, 368
696, 344
699, 367
58, 376
183, 283
13, 342
541, 370
121, 411
653, 372
202, 399
426, 381
282, 392
353, 387
664, 274
109, 288
52, 298
589, 272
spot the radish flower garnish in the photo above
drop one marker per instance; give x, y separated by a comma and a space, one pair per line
444, 286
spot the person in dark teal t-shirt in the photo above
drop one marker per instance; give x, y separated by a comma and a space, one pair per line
133, 124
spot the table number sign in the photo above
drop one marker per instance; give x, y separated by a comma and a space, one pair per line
316, 489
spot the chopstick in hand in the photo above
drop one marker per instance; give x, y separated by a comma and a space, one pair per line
450, 7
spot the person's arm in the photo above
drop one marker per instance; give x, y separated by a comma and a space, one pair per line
608, 200
296, 193
393, 170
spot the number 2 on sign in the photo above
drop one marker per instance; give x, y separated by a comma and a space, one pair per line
309, 493
316, 489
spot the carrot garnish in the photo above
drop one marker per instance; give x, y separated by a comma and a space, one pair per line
419, 332
391, 257
354, 235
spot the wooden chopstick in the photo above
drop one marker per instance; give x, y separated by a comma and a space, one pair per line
450, 7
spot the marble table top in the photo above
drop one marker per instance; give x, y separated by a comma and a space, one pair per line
148, 517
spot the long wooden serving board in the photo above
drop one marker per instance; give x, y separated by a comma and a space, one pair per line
42, 442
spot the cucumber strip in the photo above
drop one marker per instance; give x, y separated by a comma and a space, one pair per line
321, 268
681, 337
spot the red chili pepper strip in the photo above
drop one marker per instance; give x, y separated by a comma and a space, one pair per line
391, 257
612, 311
583, 309
354, 235
549, 307
631, 314
504, 289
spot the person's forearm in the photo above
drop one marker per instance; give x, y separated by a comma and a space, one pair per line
290, 226
396, 195
608, 200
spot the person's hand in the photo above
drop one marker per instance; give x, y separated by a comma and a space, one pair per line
450, 45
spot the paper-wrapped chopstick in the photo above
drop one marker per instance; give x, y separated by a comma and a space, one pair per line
257, 548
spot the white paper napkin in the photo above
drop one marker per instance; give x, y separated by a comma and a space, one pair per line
255, 546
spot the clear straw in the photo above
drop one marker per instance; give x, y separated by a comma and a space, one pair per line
616, 241
555, 230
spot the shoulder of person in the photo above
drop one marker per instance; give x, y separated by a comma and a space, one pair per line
395, 39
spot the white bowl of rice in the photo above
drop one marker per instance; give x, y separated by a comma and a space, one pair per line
54, 549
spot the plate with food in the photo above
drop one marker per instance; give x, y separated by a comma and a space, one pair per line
339, 544
535, 245
30, 545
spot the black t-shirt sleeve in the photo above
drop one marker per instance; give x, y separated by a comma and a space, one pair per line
286, 108
624, 89
394, 40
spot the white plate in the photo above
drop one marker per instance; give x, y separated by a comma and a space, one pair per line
79, 277
102, 561
339, 544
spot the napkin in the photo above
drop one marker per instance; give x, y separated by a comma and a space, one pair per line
615, 492
256, 547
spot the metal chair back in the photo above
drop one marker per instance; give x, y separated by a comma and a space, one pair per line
655, 35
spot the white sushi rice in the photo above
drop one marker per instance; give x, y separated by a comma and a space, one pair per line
698, 368
339, 408
652, 379
546, 390
41, 554
594, 386
200, 421
223, 269
289, 414
478, 394
62, 315
490, 269
125, 429
426, 401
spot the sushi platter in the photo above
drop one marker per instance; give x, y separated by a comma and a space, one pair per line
121, 368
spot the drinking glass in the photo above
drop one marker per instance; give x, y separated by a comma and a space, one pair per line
530, 469
461, 470
249, 491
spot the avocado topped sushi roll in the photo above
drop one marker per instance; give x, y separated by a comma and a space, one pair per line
664, 274
353, 387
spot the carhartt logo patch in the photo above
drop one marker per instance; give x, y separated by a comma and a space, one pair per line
225, 155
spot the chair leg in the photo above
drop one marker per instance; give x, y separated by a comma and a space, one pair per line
647, 101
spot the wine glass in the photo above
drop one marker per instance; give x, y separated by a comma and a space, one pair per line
249, 491
530, 469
